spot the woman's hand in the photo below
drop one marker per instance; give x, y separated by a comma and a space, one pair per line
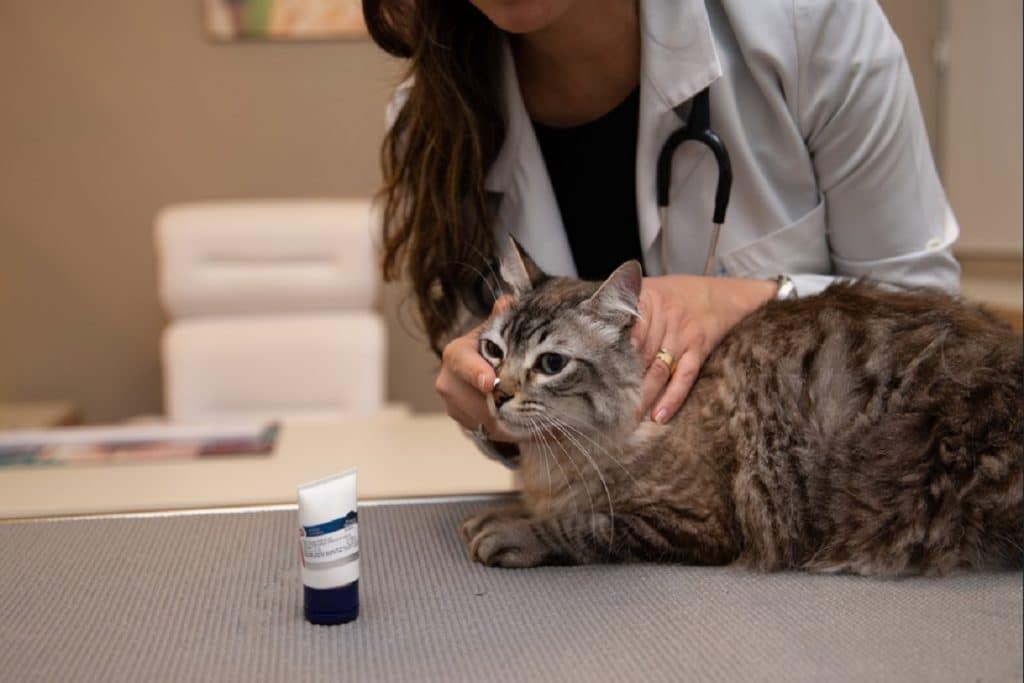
686, 316
466, 378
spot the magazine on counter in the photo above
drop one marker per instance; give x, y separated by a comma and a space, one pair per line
136, 443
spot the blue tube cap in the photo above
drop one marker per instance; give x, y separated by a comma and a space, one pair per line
331, 605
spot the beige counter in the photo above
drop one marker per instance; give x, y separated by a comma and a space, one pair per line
398, 455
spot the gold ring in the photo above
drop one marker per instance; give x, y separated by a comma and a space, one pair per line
666, 358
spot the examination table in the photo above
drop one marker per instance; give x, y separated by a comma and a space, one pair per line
216, 596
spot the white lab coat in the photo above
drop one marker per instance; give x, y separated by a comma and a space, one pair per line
833, 175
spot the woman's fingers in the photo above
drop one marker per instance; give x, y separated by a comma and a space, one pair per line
655, 379
463, 380
463, 403
657, 323
686, 316
462, 355
467, 406
671, 374
687, 368
466, 378
462, 358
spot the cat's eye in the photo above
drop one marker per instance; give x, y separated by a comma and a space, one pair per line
551, 363
491, 350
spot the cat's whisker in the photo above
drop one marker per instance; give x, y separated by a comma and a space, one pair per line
563, 427
583, 480
490, 266
548, 456
1007, 539
611, 507
604, 449
593, 513
546, 420
535, 429
494, 294
537, 438
547, 468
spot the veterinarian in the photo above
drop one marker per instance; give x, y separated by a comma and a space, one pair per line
544, 119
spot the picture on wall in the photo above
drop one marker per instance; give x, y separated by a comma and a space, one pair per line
284, 19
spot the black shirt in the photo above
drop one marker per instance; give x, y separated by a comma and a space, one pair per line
593, 172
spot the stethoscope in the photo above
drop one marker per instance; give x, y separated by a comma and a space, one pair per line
697, 126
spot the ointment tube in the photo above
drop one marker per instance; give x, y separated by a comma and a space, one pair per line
329, 540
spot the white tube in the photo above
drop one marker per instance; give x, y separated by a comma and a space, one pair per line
329, 539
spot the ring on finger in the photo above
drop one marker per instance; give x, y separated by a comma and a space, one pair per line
667, 358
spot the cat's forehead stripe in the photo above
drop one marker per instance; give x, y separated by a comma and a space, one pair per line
541, 308
528, 326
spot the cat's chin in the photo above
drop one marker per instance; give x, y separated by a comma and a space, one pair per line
519, 432
529, 431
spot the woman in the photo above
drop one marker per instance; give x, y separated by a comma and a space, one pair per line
543, 119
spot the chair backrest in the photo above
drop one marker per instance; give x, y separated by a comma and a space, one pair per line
271, 309
233, 258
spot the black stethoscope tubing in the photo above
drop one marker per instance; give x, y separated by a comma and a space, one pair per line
696, 126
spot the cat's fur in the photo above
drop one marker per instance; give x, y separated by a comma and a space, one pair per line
859, 430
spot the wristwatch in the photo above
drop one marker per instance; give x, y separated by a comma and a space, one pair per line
787, 290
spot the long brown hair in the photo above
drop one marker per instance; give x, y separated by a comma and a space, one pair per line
436, 213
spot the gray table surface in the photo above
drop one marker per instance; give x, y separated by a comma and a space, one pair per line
218, 597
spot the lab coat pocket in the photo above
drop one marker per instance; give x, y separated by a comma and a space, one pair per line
800, 247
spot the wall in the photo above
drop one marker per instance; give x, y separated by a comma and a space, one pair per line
981, 125
918, 23
113, 109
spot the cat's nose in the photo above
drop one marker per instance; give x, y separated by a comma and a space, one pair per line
501, 397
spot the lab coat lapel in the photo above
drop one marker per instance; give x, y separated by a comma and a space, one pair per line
678, 60
528, 210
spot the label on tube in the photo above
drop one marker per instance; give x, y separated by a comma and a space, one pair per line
329, 545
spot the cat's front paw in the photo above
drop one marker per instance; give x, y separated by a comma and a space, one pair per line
499, 541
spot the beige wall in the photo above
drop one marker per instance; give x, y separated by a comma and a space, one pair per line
112, 109
981, 125
918, 23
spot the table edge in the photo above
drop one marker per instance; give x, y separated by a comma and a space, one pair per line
247, 509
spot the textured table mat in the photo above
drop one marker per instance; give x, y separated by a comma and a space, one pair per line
218, 597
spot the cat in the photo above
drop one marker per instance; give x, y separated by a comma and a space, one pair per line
860, 430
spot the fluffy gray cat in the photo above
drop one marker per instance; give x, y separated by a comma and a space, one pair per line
860, 430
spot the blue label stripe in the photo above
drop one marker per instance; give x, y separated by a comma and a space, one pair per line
332, 526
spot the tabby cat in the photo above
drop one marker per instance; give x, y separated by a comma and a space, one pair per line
860, 430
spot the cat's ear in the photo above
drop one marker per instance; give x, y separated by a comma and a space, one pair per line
618, 297
518, 270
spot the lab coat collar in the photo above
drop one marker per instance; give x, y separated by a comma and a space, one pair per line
677, 49
678, 60
500, 175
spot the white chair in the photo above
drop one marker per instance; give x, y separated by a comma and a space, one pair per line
271, 310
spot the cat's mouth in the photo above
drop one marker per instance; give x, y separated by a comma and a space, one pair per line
521, 427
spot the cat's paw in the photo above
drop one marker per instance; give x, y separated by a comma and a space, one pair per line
498, 541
